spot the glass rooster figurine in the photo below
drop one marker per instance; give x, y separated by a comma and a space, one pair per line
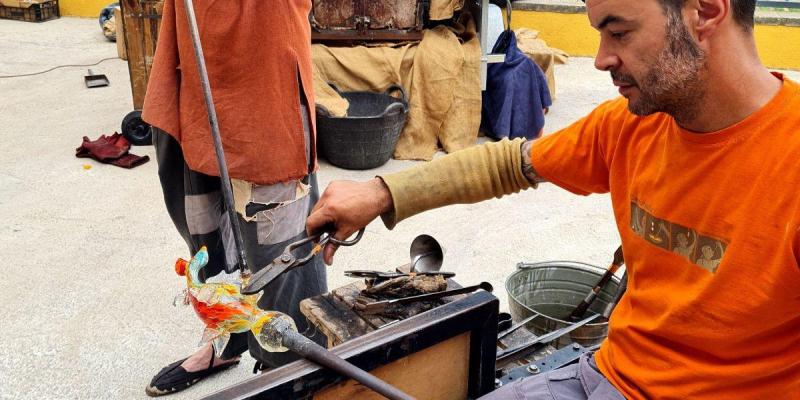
224, 309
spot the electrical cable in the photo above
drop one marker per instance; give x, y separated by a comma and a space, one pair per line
57, 67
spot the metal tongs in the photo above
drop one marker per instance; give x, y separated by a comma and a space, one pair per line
513, 353
381, 306
288, 261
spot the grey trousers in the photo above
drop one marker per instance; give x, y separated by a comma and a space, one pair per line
581, 381
194, 203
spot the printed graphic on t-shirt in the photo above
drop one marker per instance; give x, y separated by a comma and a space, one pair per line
702, 250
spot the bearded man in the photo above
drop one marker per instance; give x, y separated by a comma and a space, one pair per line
700, 122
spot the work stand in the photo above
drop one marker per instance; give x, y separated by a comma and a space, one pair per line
447, 352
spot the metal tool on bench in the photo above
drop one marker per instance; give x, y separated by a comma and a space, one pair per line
379, 306
287, 260
282, 333
378, 275
426, 254
518, 325
515, 352
584, 305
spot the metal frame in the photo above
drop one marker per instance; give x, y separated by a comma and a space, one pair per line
476, 314
779, 4
481, 13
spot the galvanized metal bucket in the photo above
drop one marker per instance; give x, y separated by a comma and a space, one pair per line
553, 289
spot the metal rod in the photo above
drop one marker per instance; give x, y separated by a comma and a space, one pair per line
517, 325
512, 353
227, 191
380, 306
316, 353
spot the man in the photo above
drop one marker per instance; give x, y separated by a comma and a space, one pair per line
704, 138
258, 57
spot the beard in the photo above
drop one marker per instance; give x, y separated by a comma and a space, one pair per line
673, 84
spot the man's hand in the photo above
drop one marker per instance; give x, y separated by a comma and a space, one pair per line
347, 206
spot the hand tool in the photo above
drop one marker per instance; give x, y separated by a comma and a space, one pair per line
515, 352
281, 330
379, 306
287, 260
426, 254
391, 275
584, 305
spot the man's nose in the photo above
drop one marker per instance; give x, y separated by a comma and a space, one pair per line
605, 60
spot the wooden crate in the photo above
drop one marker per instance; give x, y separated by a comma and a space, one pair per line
31, 12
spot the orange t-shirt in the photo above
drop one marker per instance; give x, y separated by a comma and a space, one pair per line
709, 226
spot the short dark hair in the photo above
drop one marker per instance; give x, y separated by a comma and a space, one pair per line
744, 11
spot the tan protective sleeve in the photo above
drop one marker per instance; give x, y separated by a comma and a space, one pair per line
466, 176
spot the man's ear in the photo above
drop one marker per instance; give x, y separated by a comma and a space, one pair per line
706, 16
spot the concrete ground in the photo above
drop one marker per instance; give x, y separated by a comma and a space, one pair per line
89, 249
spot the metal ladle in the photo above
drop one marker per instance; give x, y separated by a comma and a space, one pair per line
426, 254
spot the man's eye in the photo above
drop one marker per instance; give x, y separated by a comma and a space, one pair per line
618, 35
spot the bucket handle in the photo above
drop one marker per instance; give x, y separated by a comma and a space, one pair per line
396, 107
396, 87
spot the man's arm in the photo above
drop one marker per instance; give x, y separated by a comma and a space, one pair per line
467, 176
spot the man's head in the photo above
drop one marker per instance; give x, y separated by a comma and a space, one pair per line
657, 50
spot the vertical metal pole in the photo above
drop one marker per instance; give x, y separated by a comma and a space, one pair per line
483, 32
227, 191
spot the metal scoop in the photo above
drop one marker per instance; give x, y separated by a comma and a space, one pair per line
426, 254
95, 80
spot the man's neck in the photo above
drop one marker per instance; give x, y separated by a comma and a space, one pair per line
738, 86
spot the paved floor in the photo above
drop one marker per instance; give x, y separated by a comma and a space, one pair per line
88, 279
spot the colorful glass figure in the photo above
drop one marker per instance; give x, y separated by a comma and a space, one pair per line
224, 309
